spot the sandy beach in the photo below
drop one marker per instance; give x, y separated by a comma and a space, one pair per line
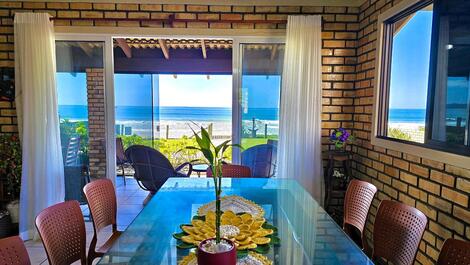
177, 129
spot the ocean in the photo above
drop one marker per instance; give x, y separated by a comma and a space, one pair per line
139, 113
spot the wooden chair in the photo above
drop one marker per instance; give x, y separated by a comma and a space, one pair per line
233, 171
398, 230
357, 201
101, 199
454, 252
62, 231
13, 252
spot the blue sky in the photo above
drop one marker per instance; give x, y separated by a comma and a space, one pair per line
71, 88
184, 90
410, 63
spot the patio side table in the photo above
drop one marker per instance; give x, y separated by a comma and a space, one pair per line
335, 187
200, 168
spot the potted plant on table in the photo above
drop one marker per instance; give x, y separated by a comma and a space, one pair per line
214, 251
10, 169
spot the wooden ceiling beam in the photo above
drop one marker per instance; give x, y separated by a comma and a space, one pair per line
122, 43
165, 50
203, 47
87, 49
273, 52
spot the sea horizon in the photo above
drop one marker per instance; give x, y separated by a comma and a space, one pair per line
224, 114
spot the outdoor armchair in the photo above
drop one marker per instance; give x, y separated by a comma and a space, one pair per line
152, 168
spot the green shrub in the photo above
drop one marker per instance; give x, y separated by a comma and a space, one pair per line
398, 134
174, 149
10, 164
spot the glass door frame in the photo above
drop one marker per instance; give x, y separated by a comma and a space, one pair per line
107, 38
237, 63
108, 94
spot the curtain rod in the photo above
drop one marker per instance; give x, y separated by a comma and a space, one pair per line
171, 19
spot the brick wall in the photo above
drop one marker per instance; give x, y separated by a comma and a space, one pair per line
96, 122
339, 39
441, 191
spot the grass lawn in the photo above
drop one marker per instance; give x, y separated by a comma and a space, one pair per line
250, 142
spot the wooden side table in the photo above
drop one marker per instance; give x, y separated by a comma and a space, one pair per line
335, 188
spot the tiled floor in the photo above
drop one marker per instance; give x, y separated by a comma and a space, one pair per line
129, 198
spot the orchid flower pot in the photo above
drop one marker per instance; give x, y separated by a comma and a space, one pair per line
210, 253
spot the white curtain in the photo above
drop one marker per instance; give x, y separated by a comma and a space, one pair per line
36, 103
299, 153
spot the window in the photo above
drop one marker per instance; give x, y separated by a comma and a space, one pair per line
423, 75
449, 109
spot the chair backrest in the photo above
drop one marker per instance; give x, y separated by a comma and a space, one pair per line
233, 171
101, 199
272, 142
120, 154
261, 159
151, 167
71, 157
357, 201
13, 251
454, 252
62, 231
398, 230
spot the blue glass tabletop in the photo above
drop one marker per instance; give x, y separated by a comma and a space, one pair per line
308, 234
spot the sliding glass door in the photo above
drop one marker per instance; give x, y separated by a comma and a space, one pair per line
81, 104
261, 72
257, 93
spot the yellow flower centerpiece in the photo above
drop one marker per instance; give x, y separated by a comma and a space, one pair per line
247, 232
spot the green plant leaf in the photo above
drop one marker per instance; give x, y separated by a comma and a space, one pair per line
262, 249
191, 148
199, 217
179, 235
276, 241
206, 139
242, 253
221, 146
184, 245
208, 154
181, 225
269, 226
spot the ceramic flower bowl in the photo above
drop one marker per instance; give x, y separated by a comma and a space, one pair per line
206, 256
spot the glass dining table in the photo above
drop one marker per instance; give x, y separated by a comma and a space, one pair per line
308, 235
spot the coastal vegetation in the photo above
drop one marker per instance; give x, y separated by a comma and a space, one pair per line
396, 133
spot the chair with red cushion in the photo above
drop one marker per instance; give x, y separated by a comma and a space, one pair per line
62, 231
101, 198
233, 171
357, 201
398, 230
13, 252
454, 252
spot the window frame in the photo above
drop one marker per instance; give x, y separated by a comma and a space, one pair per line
432, 150
429, 141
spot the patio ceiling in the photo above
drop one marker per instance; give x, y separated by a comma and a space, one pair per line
169, 56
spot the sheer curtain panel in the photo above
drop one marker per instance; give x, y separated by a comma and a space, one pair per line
299, 153
36, 103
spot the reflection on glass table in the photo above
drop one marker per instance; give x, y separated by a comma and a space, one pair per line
308, 235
